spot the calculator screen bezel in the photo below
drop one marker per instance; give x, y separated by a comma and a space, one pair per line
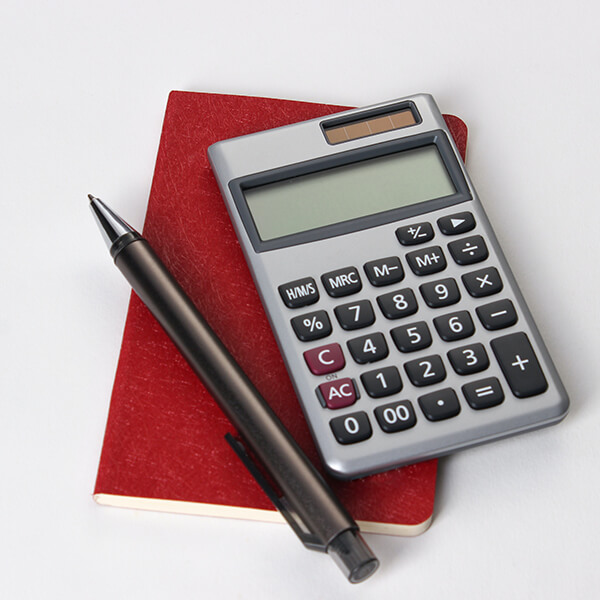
438, 138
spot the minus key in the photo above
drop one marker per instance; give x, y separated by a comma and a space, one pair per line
497, 315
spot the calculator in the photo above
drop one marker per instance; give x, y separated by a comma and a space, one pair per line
400, 323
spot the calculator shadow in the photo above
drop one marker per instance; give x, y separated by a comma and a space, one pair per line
442, 485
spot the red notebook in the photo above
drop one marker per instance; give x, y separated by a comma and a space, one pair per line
164, 446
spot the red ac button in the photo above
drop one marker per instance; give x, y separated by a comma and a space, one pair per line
337, 394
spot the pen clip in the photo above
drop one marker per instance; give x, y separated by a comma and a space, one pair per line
280, 502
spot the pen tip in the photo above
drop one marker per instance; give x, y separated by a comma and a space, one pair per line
92, 198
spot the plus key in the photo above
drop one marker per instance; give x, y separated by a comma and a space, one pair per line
519, 365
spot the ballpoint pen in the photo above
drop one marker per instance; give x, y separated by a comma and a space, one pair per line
304, 498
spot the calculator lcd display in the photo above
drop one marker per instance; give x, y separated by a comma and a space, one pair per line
348, 192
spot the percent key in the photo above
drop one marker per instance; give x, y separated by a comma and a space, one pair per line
312, 326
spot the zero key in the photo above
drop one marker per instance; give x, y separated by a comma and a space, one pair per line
519, 365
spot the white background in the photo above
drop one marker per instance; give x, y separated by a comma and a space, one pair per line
83, 91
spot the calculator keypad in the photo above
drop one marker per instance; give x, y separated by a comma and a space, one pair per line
469, 360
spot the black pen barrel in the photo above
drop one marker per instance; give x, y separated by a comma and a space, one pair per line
300, 483
307, 502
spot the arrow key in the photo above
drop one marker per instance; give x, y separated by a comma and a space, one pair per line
456, 223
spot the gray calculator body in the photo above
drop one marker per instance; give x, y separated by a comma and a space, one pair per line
401, 325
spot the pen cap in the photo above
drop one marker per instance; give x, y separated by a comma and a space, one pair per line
353, 556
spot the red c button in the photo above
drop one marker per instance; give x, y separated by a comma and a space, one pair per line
325, 359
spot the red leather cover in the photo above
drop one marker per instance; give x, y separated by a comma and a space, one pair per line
164, 435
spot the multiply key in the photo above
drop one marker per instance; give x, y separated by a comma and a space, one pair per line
484, 282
